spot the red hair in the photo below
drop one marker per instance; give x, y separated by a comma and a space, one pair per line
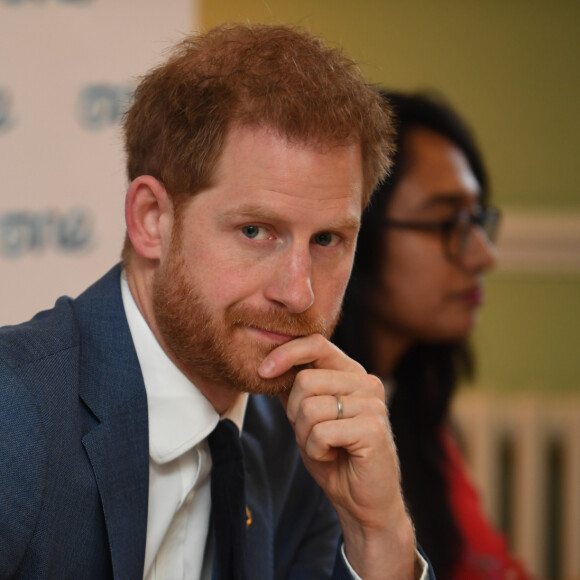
279, 77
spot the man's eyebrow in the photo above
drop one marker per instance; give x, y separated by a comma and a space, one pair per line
260, 212
252, 211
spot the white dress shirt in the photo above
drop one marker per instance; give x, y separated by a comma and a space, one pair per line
180, 420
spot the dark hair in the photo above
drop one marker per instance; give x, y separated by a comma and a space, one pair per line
426, 376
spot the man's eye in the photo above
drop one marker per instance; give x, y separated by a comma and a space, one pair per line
253, 232
326, 239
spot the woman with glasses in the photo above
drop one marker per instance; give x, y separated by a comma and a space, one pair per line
425, 244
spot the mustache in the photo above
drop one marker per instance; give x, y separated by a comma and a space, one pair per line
296, 324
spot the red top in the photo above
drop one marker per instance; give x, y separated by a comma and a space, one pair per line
486, 555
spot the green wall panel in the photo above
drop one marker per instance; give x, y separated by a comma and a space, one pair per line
529, 333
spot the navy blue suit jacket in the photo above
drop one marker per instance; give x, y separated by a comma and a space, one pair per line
74, 456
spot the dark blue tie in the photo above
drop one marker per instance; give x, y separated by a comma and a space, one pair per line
228, 500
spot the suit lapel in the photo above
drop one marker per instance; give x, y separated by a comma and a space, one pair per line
122, 479
111, 385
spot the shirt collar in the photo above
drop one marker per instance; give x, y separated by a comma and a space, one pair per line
180, 416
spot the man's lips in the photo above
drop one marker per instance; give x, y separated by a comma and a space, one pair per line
274, 336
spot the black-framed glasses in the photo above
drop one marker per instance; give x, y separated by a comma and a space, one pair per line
455, 231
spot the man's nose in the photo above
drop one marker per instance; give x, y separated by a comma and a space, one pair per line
290, 282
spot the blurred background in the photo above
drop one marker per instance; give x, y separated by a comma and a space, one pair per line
510, 68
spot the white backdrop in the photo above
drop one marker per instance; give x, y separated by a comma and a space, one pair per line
67, 68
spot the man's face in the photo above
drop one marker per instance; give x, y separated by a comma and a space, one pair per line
260, 257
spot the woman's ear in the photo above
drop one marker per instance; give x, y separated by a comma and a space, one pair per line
149, 216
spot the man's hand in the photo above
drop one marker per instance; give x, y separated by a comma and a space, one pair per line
353, 458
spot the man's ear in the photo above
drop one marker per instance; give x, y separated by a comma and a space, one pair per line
149, 216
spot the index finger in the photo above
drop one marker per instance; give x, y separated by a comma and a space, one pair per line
313, 350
